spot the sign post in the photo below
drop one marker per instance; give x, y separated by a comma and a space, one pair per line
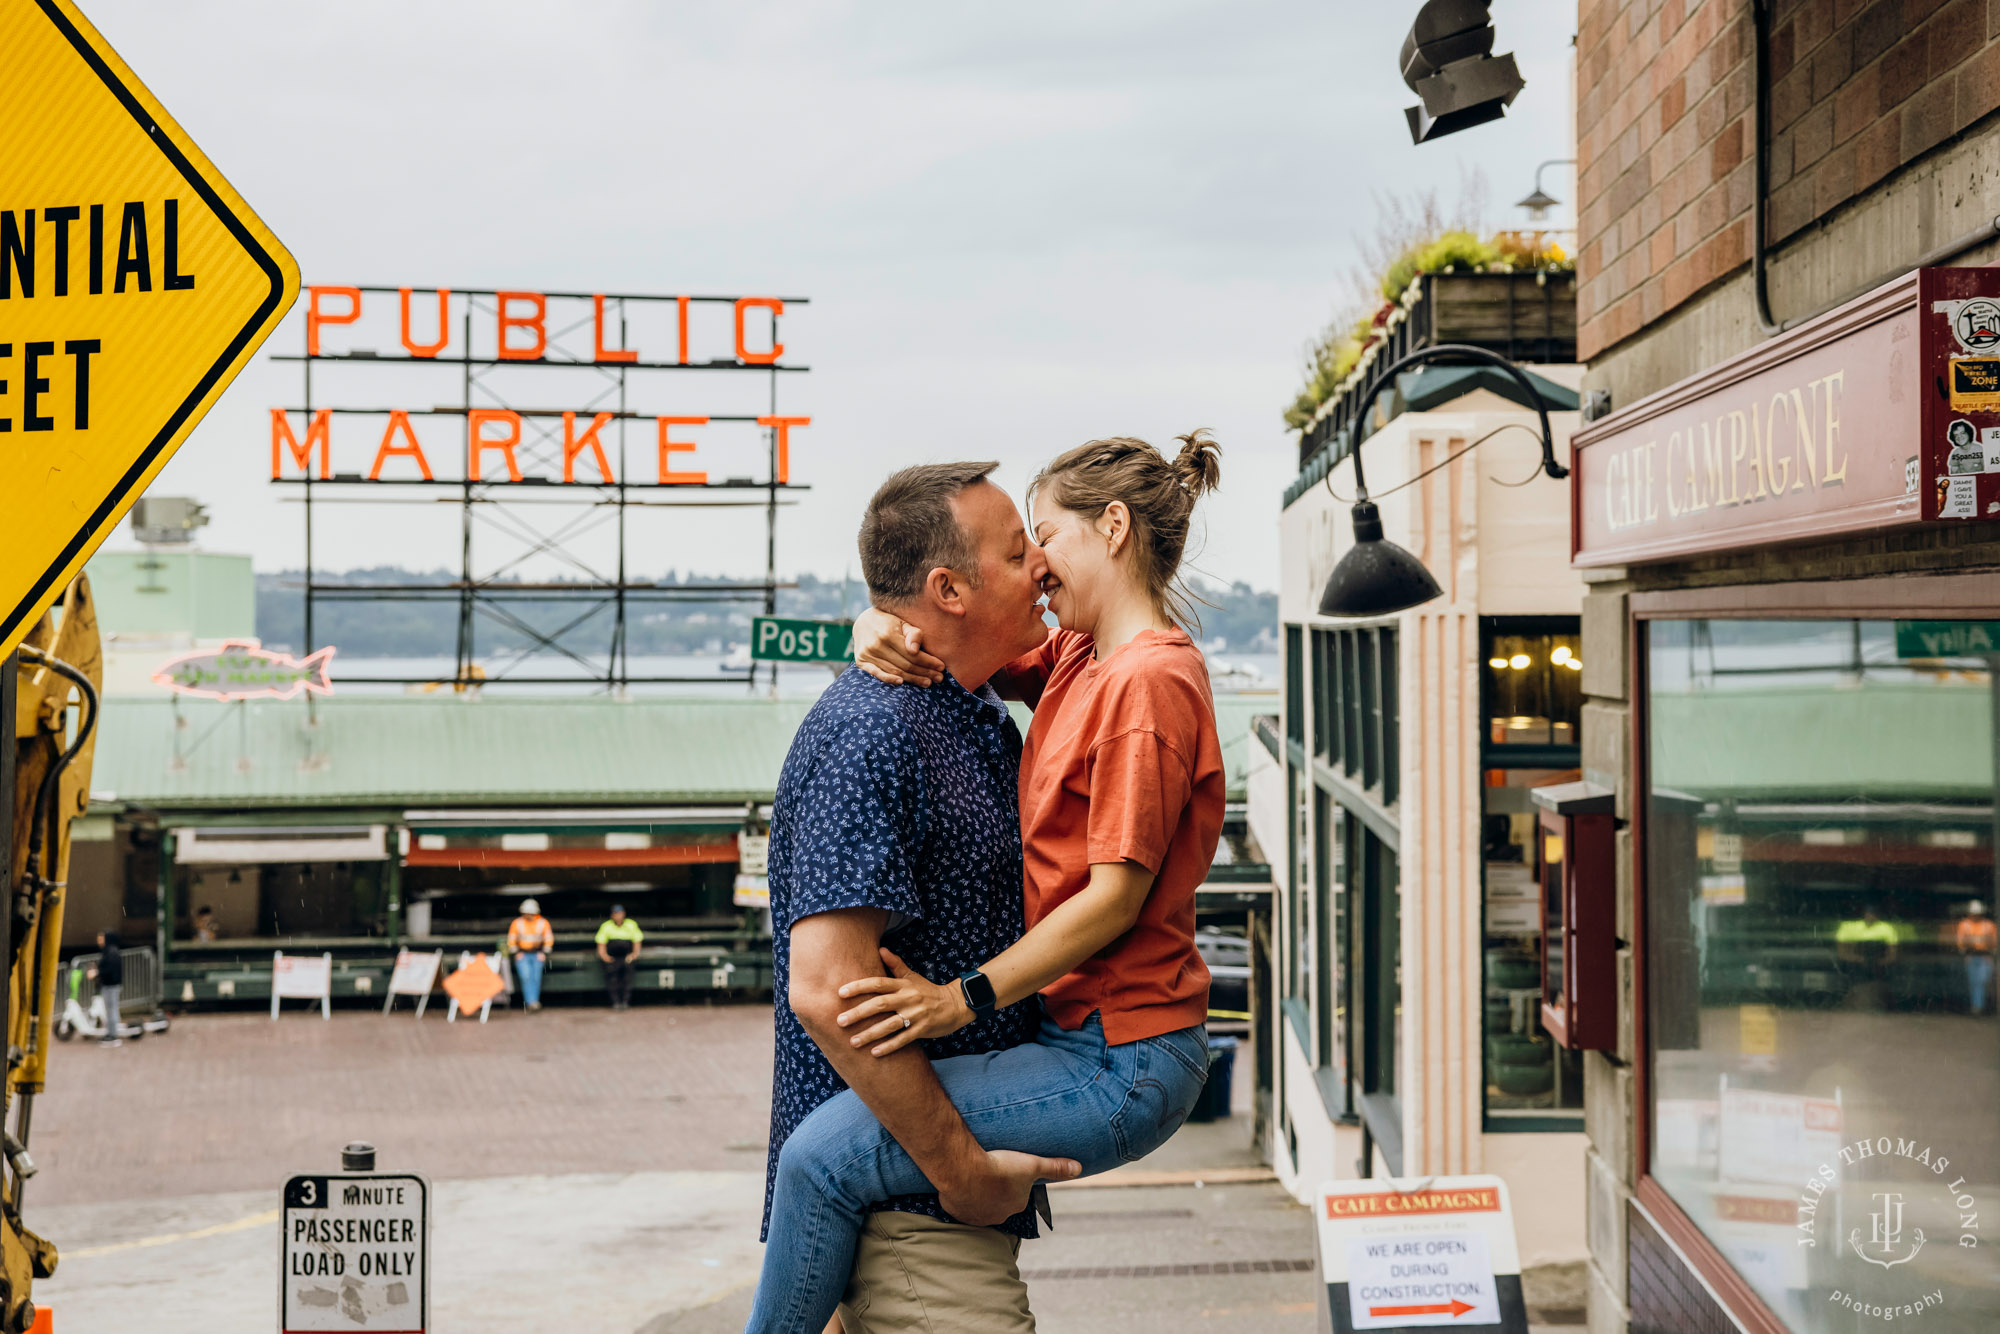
773, 639
134, 285
1440, 1254
354, 1251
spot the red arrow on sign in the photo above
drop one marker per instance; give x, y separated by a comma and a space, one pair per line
1453, 1308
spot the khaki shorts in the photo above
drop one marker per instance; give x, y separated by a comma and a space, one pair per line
919, 1275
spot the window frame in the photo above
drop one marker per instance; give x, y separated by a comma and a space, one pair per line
1558, 1121
1890, 597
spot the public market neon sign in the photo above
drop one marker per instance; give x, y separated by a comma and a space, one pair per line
521, 328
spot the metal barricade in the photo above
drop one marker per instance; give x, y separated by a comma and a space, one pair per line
141, 994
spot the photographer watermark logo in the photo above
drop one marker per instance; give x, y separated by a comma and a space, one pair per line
1885, 1238
1890, 1242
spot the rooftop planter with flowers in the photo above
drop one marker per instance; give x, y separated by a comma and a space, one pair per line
1513, 293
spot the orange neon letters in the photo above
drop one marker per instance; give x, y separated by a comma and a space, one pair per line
782, 465
411, 345
316, 317
574, 444
598, 351
669, 448
744, 354
399, 421
537, 321
681, 309
476, 442
316, 434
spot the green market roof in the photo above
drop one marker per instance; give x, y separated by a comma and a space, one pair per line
350, 752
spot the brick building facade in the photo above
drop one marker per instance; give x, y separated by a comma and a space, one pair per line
1878, 126
1666, 126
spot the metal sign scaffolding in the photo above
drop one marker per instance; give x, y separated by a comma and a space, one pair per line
584, 615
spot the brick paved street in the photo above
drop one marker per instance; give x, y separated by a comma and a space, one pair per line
234, 1102
617, 1159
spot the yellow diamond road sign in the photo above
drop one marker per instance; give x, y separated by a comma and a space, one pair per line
134, 285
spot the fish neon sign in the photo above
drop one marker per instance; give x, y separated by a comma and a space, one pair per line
244, 669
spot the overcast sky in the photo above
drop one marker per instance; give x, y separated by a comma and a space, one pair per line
1020, 226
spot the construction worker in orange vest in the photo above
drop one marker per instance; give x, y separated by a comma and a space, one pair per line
529, 940
1977, 940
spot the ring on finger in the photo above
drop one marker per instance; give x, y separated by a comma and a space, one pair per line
905, 1019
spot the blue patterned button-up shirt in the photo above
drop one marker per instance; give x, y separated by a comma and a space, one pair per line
904, 799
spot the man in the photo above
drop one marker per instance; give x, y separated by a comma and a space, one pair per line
1977, 940
110, 985
529, 940
896, 819
618, 946
1867, 944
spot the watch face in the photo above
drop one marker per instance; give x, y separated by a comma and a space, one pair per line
978, 991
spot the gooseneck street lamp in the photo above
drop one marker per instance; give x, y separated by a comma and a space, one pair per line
1376, 577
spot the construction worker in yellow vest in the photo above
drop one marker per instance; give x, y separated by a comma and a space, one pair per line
617, 947
529, 940
1867, 944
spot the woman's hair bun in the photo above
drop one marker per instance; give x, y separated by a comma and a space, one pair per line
1199, 464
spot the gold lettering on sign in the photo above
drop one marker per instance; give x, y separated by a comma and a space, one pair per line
1673, 503
1712, 451
1740, 456
1742, 443
1780, 462
1833, 476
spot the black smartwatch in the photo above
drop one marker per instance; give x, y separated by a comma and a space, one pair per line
978, 989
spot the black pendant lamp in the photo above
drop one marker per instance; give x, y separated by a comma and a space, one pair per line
1376, 577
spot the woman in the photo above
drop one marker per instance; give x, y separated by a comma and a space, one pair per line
1121, 795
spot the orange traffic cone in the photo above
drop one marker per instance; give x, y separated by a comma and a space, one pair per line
45, 1321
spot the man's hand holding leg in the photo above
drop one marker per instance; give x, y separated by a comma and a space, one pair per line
974, 1184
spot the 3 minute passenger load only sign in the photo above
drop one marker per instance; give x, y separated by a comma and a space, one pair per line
1439, 1253
355, 1254
134, 284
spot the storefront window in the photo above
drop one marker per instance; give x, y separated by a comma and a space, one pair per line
1819, 885
1533, 687
1528, 1077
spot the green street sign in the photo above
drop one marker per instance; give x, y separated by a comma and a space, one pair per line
1946, 639
775, 640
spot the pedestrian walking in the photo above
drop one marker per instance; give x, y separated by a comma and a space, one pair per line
204, 925
110, 982
1977, 939
529, 941
618, 946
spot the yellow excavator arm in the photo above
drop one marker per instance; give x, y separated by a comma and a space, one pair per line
58, 675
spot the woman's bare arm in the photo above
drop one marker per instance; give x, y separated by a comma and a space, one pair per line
1077, 929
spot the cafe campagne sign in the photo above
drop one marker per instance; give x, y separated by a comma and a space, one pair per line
1871, 417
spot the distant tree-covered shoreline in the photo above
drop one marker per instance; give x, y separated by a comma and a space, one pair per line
1240, 620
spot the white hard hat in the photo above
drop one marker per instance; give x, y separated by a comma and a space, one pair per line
1976, 908
530, 908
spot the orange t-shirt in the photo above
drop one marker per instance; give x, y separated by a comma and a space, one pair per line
1122, 763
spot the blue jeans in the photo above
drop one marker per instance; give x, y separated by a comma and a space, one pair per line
528, 968
1979, 980
1068, 1094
